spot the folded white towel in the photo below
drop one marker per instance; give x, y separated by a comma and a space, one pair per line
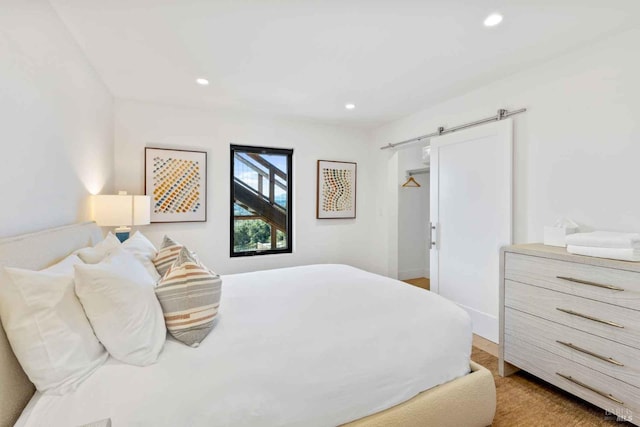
605, 239
623, 254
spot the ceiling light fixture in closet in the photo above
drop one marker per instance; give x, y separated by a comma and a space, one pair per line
493, 20
349, 106
202, 82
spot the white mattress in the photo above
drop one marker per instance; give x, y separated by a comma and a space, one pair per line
317, 345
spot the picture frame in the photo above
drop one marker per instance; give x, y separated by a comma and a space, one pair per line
176, 181
336, 188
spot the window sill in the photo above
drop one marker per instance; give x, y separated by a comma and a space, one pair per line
260, 254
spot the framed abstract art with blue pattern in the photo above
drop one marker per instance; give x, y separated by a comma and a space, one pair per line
176, 181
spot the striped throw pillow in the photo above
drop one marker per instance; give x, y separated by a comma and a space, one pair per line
167, 255
189, 294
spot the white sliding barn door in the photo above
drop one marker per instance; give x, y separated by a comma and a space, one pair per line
471, 210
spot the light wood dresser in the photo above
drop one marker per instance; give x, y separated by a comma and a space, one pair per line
574, 322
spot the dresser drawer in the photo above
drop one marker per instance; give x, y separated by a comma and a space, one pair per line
604, 320
577, 279
610, 358
601, 390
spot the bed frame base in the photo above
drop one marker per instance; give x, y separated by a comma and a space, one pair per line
468, 401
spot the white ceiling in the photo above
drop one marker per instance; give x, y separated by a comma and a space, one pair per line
307, 58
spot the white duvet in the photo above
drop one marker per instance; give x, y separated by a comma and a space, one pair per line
318, 345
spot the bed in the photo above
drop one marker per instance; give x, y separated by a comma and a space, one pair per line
319, 345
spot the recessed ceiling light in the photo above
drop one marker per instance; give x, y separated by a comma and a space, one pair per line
493, 20
349, 106
202, 82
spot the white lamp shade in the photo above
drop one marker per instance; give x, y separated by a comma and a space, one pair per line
121, 210
141, 210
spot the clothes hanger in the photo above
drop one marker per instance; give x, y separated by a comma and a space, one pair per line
411, 183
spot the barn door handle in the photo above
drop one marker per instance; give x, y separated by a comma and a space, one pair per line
432, 233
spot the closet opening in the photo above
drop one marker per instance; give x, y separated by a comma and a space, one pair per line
413, 216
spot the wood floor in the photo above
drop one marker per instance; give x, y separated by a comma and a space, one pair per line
485, 345
420, 282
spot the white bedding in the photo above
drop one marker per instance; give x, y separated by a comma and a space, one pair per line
318, 345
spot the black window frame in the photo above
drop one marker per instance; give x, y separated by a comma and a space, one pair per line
262, 150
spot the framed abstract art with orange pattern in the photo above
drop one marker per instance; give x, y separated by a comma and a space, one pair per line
336, 190
176, 181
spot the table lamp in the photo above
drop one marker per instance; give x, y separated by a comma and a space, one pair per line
122, 210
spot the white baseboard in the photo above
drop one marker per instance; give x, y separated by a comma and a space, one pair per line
412, 274
484, 325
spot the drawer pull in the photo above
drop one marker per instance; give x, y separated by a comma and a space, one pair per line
586, 282
590, 353
586, 316
588, 387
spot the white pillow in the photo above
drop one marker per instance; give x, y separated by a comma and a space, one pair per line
149, 266
144, 252
139, 244
66, 266
47, 328
119, 299
97, 253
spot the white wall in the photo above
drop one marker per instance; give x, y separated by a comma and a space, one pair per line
413, 217
576, 149
315, 241
57, 126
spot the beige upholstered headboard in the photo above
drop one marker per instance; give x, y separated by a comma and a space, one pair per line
32, 251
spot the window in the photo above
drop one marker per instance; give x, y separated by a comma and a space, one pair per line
260, 200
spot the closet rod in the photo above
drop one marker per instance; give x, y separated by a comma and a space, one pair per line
502, 114
413, 172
